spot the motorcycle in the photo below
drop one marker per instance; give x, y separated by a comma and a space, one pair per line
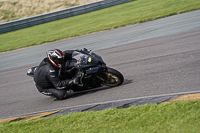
92, 69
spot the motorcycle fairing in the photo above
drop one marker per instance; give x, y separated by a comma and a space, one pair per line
85, 60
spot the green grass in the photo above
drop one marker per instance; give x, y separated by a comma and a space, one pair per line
176, 117
113, 17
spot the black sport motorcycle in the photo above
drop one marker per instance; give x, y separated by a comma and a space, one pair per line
92, 69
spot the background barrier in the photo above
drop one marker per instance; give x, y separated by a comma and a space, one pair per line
52, 16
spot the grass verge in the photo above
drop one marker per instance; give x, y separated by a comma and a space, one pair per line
109, 18
175, 117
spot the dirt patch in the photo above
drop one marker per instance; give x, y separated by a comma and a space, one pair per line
17, 9
185, 97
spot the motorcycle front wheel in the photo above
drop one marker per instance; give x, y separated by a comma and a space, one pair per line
112, 77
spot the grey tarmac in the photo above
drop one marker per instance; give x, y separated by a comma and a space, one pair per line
156, 57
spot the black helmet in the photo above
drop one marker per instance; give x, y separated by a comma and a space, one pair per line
56, 57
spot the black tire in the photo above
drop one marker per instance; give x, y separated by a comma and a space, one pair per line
112, 77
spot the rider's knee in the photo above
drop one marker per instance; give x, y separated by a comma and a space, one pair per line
60, 94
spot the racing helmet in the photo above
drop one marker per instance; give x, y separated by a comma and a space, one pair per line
56, 57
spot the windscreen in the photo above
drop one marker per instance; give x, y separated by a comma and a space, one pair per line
80, 58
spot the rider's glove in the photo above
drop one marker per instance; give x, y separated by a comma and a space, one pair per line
78, 79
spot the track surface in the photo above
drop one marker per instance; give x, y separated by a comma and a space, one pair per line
158, 57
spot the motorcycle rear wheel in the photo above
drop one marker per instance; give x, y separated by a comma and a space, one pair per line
112, 78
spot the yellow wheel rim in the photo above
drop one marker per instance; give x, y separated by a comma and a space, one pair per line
112, 80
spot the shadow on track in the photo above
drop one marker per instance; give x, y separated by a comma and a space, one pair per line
85, 92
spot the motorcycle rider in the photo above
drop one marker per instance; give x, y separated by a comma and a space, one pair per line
47, 76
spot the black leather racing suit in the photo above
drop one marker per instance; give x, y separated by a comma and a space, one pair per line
48, 81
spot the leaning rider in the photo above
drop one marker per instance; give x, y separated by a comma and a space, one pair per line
47, 75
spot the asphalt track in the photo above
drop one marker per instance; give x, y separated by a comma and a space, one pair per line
156, 57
